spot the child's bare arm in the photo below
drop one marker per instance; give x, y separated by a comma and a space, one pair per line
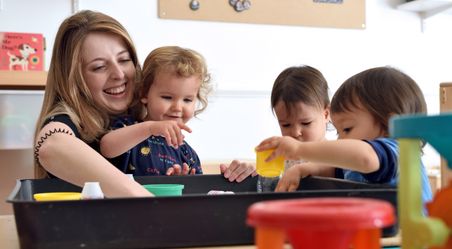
350, 154
325, 170
123, 139
291, 178
117, 142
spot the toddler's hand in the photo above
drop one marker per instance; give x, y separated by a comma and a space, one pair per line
171, 130
290, 180
237, 171
286, 147
177, 170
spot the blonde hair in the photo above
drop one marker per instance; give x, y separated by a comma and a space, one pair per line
182, 62
66, 91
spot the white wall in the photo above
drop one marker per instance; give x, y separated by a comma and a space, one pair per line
244, 59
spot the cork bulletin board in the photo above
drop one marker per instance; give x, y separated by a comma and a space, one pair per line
348, 14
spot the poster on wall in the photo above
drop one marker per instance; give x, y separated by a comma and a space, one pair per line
347, 14
21, 51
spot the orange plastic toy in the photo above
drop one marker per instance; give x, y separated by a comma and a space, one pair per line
440, 208
320, 223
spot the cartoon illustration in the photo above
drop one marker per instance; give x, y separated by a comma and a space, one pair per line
21, 51
15, 60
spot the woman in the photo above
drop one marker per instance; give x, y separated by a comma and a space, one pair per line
93, 76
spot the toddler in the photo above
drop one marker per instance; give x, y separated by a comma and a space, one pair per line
300, 101
360, 110
175, 88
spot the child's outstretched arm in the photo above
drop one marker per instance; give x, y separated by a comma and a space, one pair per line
349, 154
291, 178
118, 141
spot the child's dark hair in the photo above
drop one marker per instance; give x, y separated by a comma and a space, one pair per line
300, 84
383, 91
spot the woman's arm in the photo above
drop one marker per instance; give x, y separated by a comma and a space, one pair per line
72, 160
119, 141
349, 154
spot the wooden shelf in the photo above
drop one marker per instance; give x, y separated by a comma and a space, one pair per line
426, 5
23, 80
426, 8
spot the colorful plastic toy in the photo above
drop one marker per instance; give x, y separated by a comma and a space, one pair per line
320, 223
420, 231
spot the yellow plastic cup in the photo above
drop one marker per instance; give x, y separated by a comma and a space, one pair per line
268, 169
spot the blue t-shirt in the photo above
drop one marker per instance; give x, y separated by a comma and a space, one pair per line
154, 156
387, 150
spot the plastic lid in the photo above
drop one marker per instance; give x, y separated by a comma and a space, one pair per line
57, 196
165, 189
322, 213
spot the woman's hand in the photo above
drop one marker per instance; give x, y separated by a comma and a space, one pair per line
178, 170
237, 171
171, 130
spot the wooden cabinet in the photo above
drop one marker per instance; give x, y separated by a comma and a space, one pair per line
16, 162
445, 105
23, 80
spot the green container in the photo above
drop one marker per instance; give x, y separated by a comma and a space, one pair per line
165, 189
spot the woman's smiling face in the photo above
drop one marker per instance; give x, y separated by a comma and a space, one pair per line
109, 71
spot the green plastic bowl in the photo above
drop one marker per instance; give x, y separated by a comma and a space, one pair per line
165, 189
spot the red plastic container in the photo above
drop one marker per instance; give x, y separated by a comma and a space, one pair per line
320, 223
